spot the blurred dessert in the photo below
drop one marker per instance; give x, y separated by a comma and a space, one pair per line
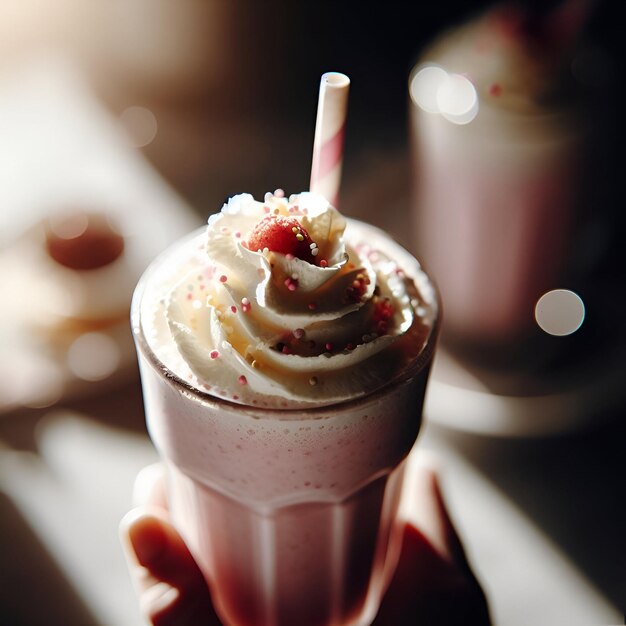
499, 146
68, 282
73, 276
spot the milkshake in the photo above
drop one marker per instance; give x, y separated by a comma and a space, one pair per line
498, 147
284, 354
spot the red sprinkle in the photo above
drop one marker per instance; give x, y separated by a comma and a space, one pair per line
312, 306
323, 263
329, 347
495, 89
383, 313
242, 380
358, 288
291, 284
233, 308
223, 278
214, 354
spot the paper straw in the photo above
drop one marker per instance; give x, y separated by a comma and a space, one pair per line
329, 131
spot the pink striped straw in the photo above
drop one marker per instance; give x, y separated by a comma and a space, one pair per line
329, 132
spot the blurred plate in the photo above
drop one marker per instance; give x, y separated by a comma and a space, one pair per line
459, 399
61, 150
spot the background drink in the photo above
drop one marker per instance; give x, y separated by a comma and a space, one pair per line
290, 514
495, 216
499, 145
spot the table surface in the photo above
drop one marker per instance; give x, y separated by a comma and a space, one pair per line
543, 518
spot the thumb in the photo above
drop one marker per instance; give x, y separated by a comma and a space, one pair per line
172, 590
431, 515
433, 583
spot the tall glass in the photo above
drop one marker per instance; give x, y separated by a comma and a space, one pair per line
496, 203
289, 513
500, 145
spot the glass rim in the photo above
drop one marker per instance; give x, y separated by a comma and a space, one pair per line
549, 112
204, 397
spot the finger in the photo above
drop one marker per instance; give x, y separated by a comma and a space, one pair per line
433, 582
149, 487
429, 589
431, 514
171, 587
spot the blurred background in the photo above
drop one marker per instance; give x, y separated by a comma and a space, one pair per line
123, 125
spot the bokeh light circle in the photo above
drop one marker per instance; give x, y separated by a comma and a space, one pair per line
560, 312
93, 356
425, 85
453, 96
457, 99
140, 124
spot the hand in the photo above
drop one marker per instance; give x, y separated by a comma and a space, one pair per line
433, 584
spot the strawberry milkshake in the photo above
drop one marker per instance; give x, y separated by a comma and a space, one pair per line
284, 354
499, 141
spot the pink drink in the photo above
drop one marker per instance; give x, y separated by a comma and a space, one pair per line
498, 150
289, 513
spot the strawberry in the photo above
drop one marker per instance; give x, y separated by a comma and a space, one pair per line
284, 235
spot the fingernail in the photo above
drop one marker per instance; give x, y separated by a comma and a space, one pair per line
146, 489
146, 540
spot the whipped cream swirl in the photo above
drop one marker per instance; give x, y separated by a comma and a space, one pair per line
270, 329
